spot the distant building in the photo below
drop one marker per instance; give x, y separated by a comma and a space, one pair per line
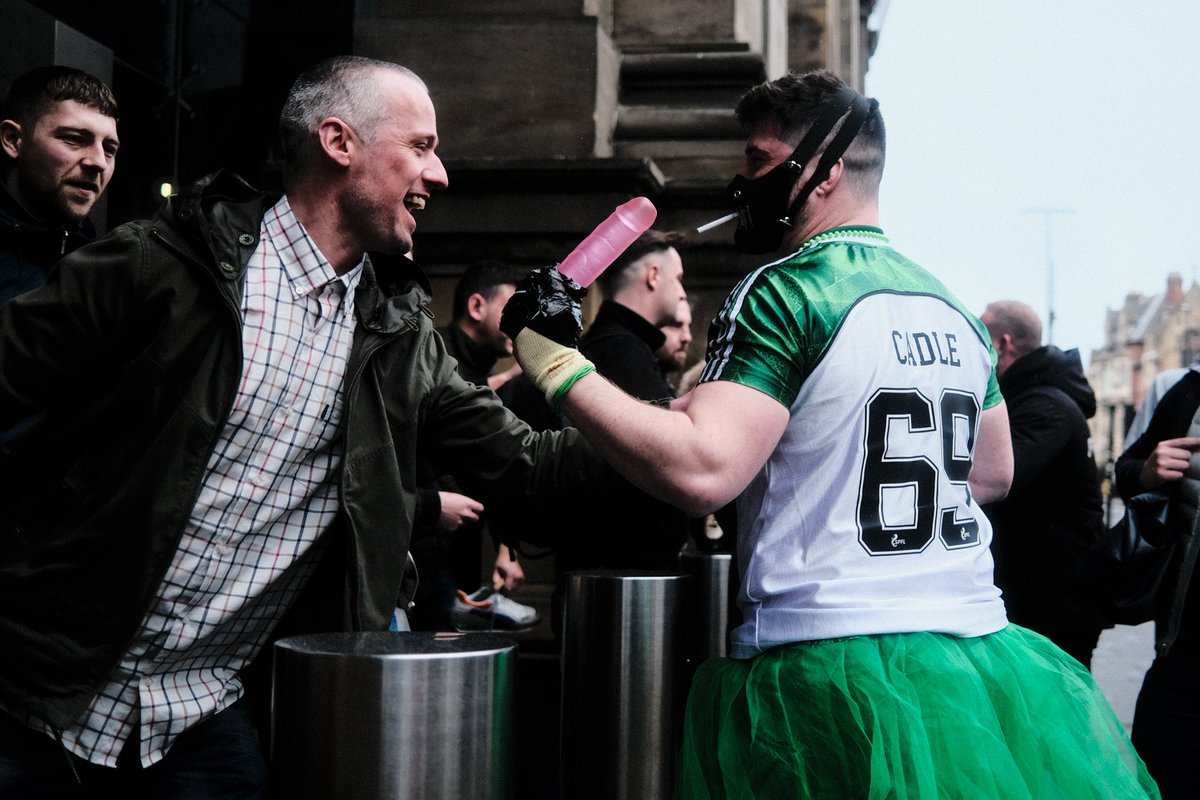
1141, 339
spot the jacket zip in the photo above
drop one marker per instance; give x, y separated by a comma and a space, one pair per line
1164, 643
351, 387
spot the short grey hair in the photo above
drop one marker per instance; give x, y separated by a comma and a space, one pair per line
1018, 320
342, 87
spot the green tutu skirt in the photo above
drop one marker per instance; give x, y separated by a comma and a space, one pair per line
907, 716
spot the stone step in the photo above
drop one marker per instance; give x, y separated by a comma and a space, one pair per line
709, 78
680, 104
676, 122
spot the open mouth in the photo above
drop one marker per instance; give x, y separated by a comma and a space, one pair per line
84, 186
414, 202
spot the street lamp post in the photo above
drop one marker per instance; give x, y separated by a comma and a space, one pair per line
1048, 216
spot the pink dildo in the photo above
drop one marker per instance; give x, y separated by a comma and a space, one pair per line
610, 238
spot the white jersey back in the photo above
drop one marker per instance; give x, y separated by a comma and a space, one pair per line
861, 521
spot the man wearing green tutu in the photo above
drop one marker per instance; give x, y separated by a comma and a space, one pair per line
850, 406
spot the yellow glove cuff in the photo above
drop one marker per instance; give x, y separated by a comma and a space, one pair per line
551, 366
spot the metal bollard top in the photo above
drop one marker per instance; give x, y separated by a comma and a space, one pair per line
402, 645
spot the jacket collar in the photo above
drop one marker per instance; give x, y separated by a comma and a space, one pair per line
612, 312
222, 214
14, 216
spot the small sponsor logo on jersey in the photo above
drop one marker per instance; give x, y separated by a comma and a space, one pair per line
926, 348
897, 541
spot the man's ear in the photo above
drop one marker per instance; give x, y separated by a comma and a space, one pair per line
475, 306
1002, 344
11, 138
651, 273
338, 140
835, 177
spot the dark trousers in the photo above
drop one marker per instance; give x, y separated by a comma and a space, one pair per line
219, 759
1079, 643
1166, 725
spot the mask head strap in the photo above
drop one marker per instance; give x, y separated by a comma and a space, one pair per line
860, 109
821, 128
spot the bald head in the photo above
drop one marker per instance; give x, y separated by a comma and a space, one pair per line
1015, 328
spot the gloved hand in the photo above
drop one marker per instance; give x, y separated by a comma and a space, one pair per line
547, 301
544, 319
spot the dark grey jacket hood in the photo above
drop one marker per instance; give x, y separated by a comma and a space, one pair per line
1049, 366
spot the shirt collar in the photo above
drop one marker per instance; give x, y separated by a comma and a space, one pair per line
306, 268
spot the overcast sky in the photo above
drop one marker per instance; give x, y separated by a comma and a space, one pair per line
997, 111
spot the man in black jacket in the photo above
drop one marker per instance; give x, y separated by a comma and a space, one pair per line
1053, 511
643, 290
1166, 725
448, 535
58, 150
623, 527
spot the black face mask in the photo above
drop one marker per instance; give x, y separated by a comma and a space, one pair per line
762, 207
764, 213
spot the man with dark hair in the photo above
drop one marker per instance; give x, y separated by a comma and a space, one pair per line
473, 335
642, 290
58, 136
1054, 511
235, 393
447, 542
850, 406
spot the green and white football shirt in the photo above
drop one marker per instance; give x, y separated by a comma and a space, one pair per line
861, 521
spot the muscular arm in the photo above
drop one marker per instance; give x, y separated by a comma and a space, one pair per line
992, 467
698, 455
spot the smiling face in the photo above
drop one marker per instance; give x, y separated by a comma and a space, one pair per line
395, 169
59, 168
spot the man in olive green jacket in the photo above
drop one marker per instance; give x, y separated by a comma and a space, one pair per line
235, 397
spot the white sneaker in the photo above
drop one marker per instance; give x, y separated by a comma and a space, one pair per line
486, 609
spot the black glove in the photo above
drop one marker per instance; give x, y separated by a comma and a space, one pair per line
546, 302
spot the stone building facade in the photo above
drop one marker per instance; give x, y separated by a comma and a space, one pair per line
1146, 335
553, 112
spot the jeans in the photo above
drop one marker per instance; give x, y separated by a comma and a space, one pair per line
219, 759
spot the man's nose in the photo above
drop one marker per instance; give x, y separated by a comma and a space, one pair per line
95, 159
436, 175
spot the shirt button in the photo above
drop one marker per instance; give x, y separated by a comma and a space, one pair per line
246, 239
227, 268
258, 479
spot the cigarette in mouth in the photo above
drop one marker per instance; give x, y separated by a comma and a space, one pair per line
708, 226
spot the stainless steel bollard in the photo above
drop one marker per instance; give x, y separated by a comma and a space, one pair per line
708, 605
623, 685
401, 716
